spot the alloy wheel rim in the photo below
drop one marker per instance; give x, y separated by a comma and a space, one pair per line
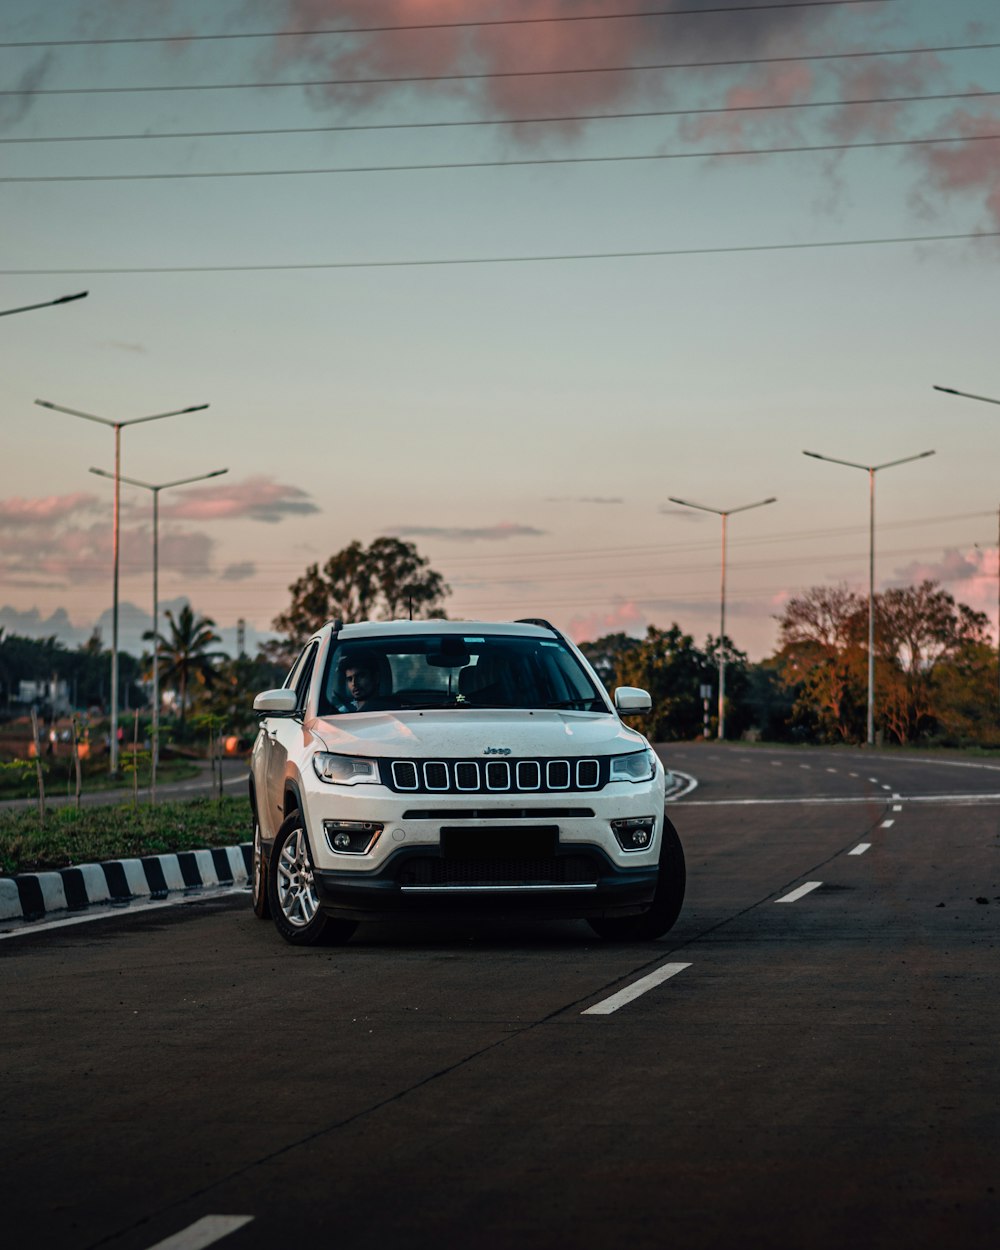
296, 890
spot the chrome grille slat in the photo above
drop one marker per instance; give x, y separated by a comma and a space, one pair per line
496, 776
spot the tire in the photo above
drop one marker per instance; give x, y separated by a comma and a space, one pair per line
667, 901
258, 876
291, 893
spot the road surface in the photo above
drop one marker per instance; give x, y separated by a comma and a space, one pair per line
808, 1060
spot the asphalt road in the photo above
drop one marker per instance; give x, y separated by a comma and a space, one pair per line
821, 1072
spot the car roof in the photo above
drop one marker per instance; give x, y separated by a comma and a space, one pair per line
398, 629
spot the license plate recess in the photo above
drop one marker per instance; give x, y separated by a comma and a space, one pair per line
500, 842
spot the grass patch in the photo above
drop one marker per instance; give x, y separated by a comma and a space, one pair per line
59, 776
97, 833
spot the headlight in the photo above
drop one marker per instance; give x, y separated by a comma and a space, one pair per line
641, 766
344, 770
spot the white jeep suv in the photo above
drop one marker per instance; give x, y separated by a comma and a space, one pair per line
450, 767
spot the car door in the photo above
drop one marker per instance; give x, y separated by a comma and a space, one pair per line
284, 733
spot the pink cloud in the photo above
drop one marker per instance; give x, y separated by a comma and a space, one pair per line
970, 575
769, 85
49, 510
75, 555
972, 166
868, 80
255, 499
537, 47
624, 618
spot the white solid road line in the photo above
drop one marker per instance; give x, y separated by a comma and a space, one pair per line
23, 928
203, 1232
961, 799
635, 990
860, 848
801, 892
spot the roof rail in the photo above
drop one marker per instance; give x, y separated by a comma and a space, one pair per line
537, 620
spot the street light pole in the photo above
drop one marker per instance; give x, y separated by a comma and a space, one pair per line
986, 399
725, 514
117, 426
156, 488
49, 303
950, 390
871, 470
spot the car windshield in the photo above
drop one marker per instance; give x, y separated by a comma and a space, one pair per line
455, 671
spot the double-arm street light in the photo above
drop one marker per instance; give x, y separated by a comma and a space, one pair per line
49, 303
871, 470
725, 513
117, 426
156, 488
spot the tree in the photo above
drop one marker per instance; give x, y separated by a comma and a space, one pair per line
607, 653
918, 630
823, 660
358, 584
672, 669
185, 653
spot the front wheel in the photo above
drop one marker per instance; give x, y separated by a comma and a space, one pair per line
667, 901
291, 891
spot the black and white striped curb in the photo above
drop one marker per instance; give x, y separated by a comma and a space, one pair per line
37, 895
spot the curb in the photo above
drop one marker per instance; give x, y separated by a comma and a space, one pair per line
36, 895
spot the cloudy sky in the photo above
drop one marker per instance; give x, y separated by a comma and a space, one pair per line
502, 285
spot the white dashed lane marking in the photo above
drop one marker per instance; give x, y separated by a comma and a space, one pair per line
801, 892
887, 824
203, 1232
860, 848
897, 808
635, 990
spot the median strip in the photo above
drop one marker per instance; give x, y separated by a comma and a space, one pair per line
36, 896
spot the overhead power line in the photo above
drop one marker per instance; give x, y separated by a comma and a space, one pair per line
520, 162
506, 260
493, 74
504, 121
472, 22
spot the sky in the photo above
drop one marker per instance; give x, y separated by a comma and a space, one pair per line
604, 289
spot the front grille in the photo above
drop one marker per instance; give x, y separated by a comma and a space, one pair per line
565, 870
515, 776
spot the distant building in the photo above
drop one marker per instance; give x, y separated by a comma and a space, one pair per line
55, 693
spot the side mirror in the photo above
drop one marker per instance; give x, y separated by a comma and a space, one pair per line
281, 702
630, 699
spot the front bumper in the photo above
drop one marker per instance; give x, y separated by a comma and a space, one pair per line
578, 882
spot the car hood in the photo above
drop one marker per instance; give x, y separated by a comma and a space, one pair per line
459, 733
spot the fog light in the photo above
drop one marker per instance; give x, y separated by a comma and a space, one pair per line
634, 833
351, 837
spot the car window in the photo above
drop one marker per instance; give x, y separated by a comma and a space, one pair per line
304, 675
449, 670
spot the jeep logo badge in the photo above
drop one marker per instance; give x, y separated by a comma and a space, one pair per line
497, 751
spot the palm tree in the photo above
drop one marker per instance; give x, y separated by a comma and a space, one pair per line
185, 654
